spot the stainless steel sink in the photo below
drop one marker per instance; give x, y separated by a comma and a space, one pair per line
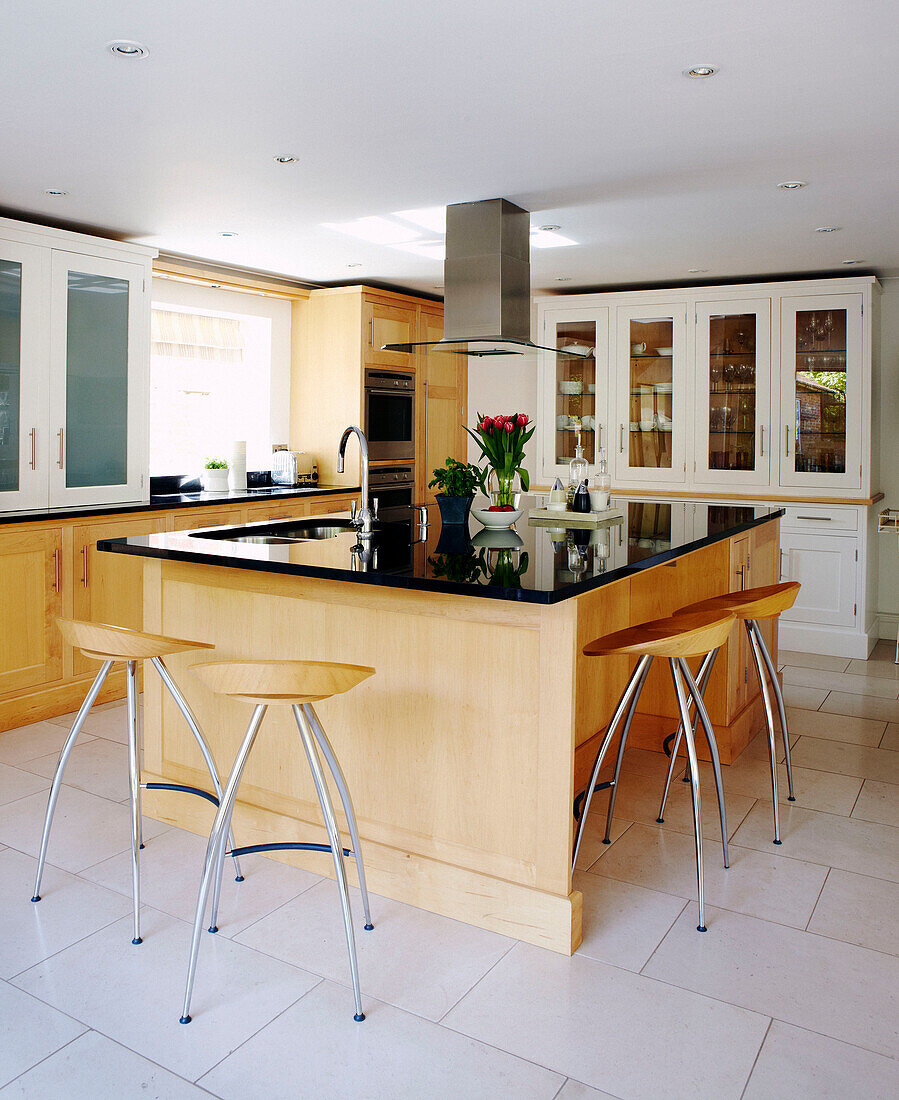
275, 534
316, 530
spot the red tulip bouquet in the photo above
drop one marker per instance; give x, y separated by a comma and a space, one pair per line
502, 440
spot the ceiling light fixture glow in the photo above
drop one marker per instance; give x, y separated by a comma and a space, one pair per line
828, 229
432, 218
563, 278
549, 238
124, 47
354, 265
700, 72
376, 230
285, 158
547, 229
697, 270
852, 261
55, 191
791, 185
228, 233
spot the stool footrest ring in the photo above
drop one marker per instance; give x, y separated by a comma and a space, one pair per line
184, 790
252, 849
579, 801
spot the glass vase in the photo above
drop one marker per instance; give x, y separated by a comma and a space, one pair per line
503, 489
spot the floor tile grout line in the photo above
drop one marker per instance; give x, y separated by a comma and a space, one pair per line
756, 1059
476, 982
52, 1053
664, 936
277, 1016
817, 899
833, 1038
857, 797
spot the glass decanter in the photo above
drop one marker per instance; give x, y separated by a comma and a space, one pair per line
577, 467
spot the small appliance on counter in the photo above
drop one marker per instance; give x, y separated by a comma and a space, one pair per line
293, 468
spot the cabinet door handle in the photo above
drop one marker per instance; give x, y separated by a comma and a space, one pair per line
33, 435
817, 519
762, 441
621, 439
60, 459
84, 566
787, 440
371, 332
782, 564
56, 567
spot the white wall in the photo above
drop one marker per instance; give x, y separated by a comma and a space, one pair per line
888, 550
503, 384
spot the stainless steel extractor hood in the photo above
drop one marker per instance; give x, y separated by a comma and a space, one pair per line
487, 283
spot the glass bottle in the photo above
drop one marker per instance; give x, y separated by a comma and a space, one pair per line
577, 468
603, 479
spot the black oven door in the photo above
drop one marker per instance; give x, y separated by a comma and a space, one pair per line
390, 415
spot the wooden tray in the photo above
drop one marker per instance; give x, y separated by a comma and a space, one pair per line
543, 517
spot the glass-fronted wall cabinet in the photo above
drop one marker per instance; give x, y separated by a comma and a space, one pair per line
651, 403
733, 391
821, 391
575, 387
23, 436
74, 365
98, 401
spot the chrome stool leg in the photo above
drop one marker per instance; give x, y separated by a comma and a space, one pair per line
622, 744
60, 768
702, 679
194, 725
694, 781
623, 703
340, 780
778, 695
769, 721
134, 779
702, 715
215, 850
327, 808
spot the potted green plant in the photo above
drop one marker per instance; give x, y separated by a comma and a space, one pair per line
215, 475
455, 483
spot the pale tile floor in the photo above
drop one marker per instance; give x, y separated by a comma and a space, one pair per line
791, 993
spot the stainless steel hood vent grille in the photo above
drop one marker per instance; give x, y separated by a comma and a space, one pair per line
487, 280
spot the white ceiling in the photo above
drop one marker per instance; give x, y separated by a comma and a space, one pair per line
575, 109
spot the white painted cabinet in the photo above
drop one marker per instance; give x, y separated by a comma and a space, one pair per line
827, 569
74, 366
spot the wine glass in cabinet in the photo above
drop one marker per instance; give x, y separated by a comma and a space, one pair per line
733, 392
650, 359
822, 391
574, 386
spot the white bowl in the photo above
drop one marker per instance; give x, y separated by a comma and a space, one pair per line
496, 521
570, 387
664, 351
494, 539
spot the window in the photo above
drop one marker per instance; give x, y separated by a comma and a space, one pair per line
219, 372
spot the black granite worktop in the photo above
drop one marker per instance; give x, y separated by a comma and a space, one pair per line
530, 564
159, 502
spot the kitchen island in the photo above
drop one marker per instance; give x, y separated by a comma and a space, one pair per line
466, 749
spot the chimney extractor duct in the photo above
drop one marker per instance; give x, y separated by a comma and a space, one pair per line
487, 283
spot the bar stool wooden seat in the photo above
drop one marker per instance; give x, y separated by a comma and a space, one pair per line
750, 606
297, 684
674, 639
110, 644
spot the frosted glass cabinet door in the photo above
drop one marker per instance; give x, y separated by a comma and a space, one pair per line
23, 379
98, 407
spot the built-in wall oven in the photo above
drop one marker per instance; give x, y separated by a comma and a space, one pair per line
394, 488
390, 414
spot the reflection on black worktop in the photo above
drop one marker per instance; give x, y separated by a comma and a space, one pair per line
531, 564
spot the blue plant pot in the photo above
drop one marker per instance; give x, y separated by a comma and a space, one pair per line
454, 510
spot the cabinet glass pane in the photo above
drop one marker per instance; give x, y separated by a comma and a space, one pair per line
651, 384
820, 418
648, 530
576, 391
732, 391
96, 440
10, 363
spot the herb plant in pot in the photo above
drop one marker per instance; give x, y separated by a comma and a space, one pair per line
455, 483
215, 475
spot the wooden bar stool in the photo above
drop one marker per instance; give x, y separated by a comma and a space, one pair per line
110, 644
297, 684
750, 606
675, 638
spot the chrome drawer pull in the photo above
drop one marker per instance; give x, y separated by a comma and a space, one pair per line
817, 519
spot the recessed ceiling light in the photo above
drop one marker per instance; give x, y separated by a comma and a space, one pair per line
792, 185
228, 233
852, 261
438, 286
563, 278
354, 265
547, 229
697, 270
55, 191
286, 158
828, 229
700, 72
123, 47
